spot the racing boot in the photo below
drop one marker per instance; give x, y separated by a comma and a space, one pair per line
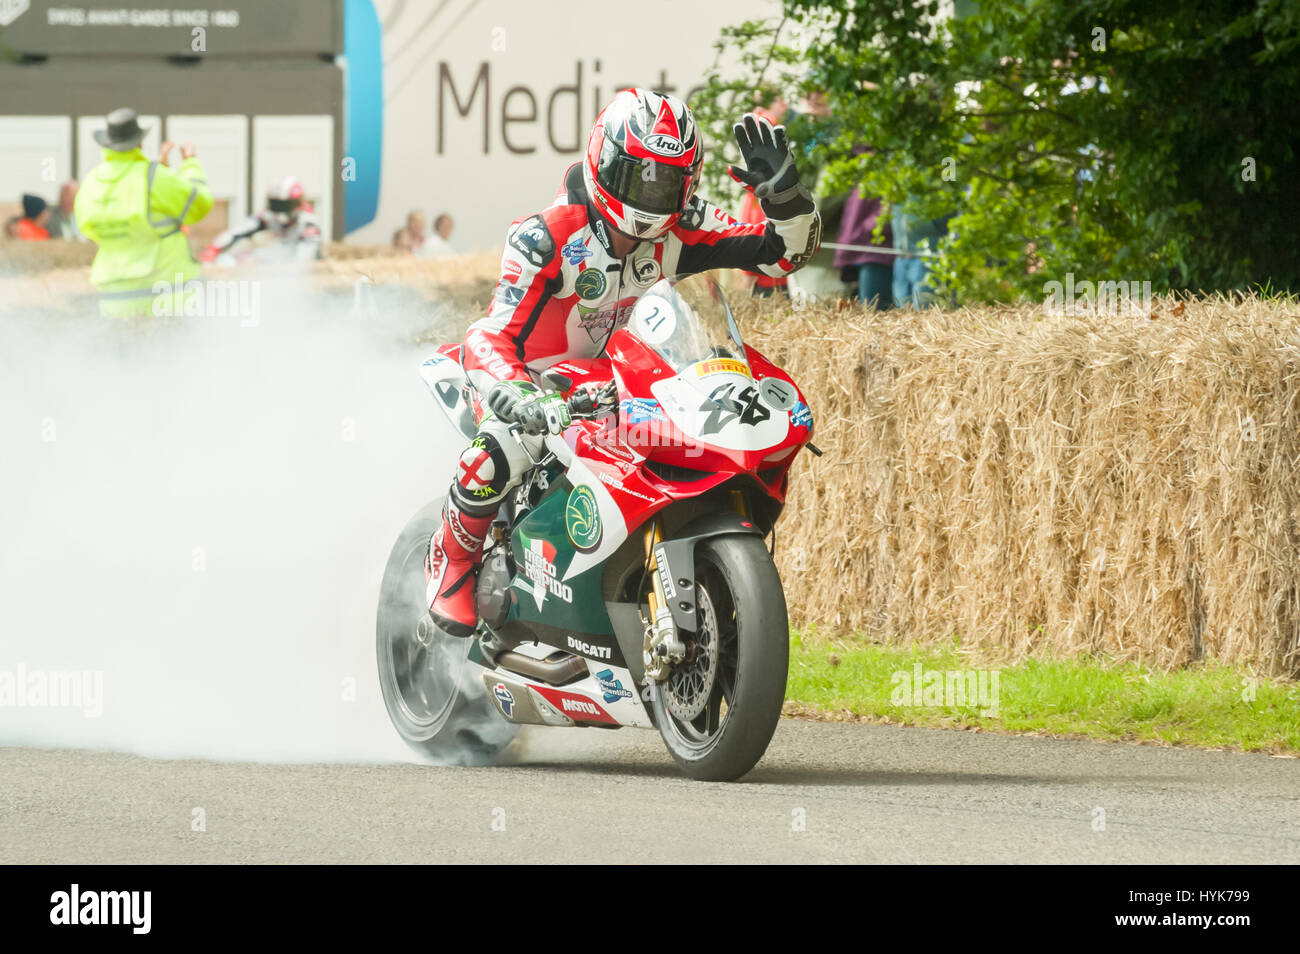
452, 565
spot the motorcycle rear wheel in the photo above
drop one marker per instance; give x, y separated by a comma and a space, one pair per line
734, 676
433, 693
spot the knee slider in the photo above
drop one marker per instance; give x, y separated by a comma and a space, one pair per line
482, 475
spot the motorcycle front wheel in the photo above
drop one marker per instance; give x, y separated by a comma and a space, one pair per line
434, 694
718, 708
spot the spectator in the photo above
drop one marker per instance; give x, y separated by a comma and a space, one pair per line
438, 245
134, 210
411, 236
911, 274
821, 278
870, 272
33, 224
63, 222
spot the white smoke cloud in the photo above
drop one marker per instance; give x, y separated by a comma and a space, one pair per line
201, 511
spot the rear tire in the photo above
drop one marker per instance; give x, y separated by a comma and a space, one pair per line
433, 693
738, 586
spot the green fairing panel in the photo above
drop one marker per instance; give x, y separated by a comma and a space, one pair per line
543, 551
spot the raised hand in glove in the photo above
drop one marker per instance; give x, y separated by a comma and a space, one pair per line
536, 412
769, 165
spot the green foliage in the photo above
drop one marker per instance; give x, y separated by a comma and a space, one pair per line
1108, 138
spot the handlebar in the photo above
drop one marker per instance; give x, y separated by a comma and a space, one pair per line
586, 404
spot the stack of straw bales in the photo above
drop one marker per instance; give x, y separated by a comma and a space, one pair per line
1043, 484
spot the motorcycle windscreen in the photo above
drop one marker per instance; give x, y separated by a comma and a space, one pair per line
688, 323
713, 396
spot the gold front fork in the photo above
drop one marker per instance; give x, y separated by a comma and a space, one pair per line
653, 534
739, 502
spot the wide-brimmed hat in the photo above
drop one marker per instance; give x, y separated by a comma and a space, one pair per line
123, 133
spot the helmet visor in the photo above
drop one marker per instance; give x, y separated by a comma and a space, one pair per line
283, 205
646, 186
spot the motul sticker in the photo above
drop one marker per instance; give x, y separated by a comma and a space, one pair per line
576, 707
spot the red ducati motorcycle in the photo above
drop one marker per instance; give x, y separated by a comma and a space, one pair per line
626, 582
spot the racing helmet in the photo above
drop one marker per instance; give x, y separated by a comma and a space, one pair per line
284, 199
643, 162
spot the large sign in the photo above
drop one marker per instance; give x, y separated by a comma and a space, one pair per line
487, 104
471, 108
171, 28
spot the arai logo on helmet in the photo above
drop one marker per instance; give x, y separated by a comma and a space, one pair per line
665, 145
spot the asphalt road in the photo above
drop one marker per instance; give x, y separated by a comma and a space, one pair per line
823, 793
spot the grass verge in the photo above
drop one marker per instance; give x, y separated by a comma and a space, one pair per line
1209, 705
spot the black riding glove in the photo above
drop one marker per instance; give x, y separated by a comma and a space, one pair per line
506, 396
769, 164
535, 411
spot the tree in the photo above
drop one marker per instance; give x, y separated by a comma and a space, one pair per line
1114, 139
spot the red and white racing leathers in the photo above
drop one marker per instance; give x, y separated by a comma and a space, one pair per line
562, 293
299, 240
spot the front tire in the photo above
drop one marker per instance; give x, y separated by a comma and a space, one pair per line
432, 691
717, 710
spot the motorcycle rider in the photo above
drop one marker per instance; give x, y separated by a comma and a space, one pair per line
289, 220
626, 215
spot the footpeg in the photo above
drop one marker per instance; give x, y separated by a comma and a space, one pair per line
490, 645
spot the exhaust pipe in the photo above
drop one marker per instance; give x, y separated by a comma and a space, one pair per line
557, 669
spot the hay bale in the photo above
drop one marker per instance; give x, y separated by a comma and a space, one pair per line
1051, 484
462, 284
25, 257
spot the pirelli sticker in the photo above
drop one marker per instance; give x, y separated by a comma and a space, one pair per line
721, 366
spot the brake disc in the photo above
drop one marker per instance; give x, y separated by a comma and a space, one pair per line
690, 683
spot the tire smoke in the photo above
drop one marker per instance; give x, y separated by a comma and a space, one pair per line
200, 509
